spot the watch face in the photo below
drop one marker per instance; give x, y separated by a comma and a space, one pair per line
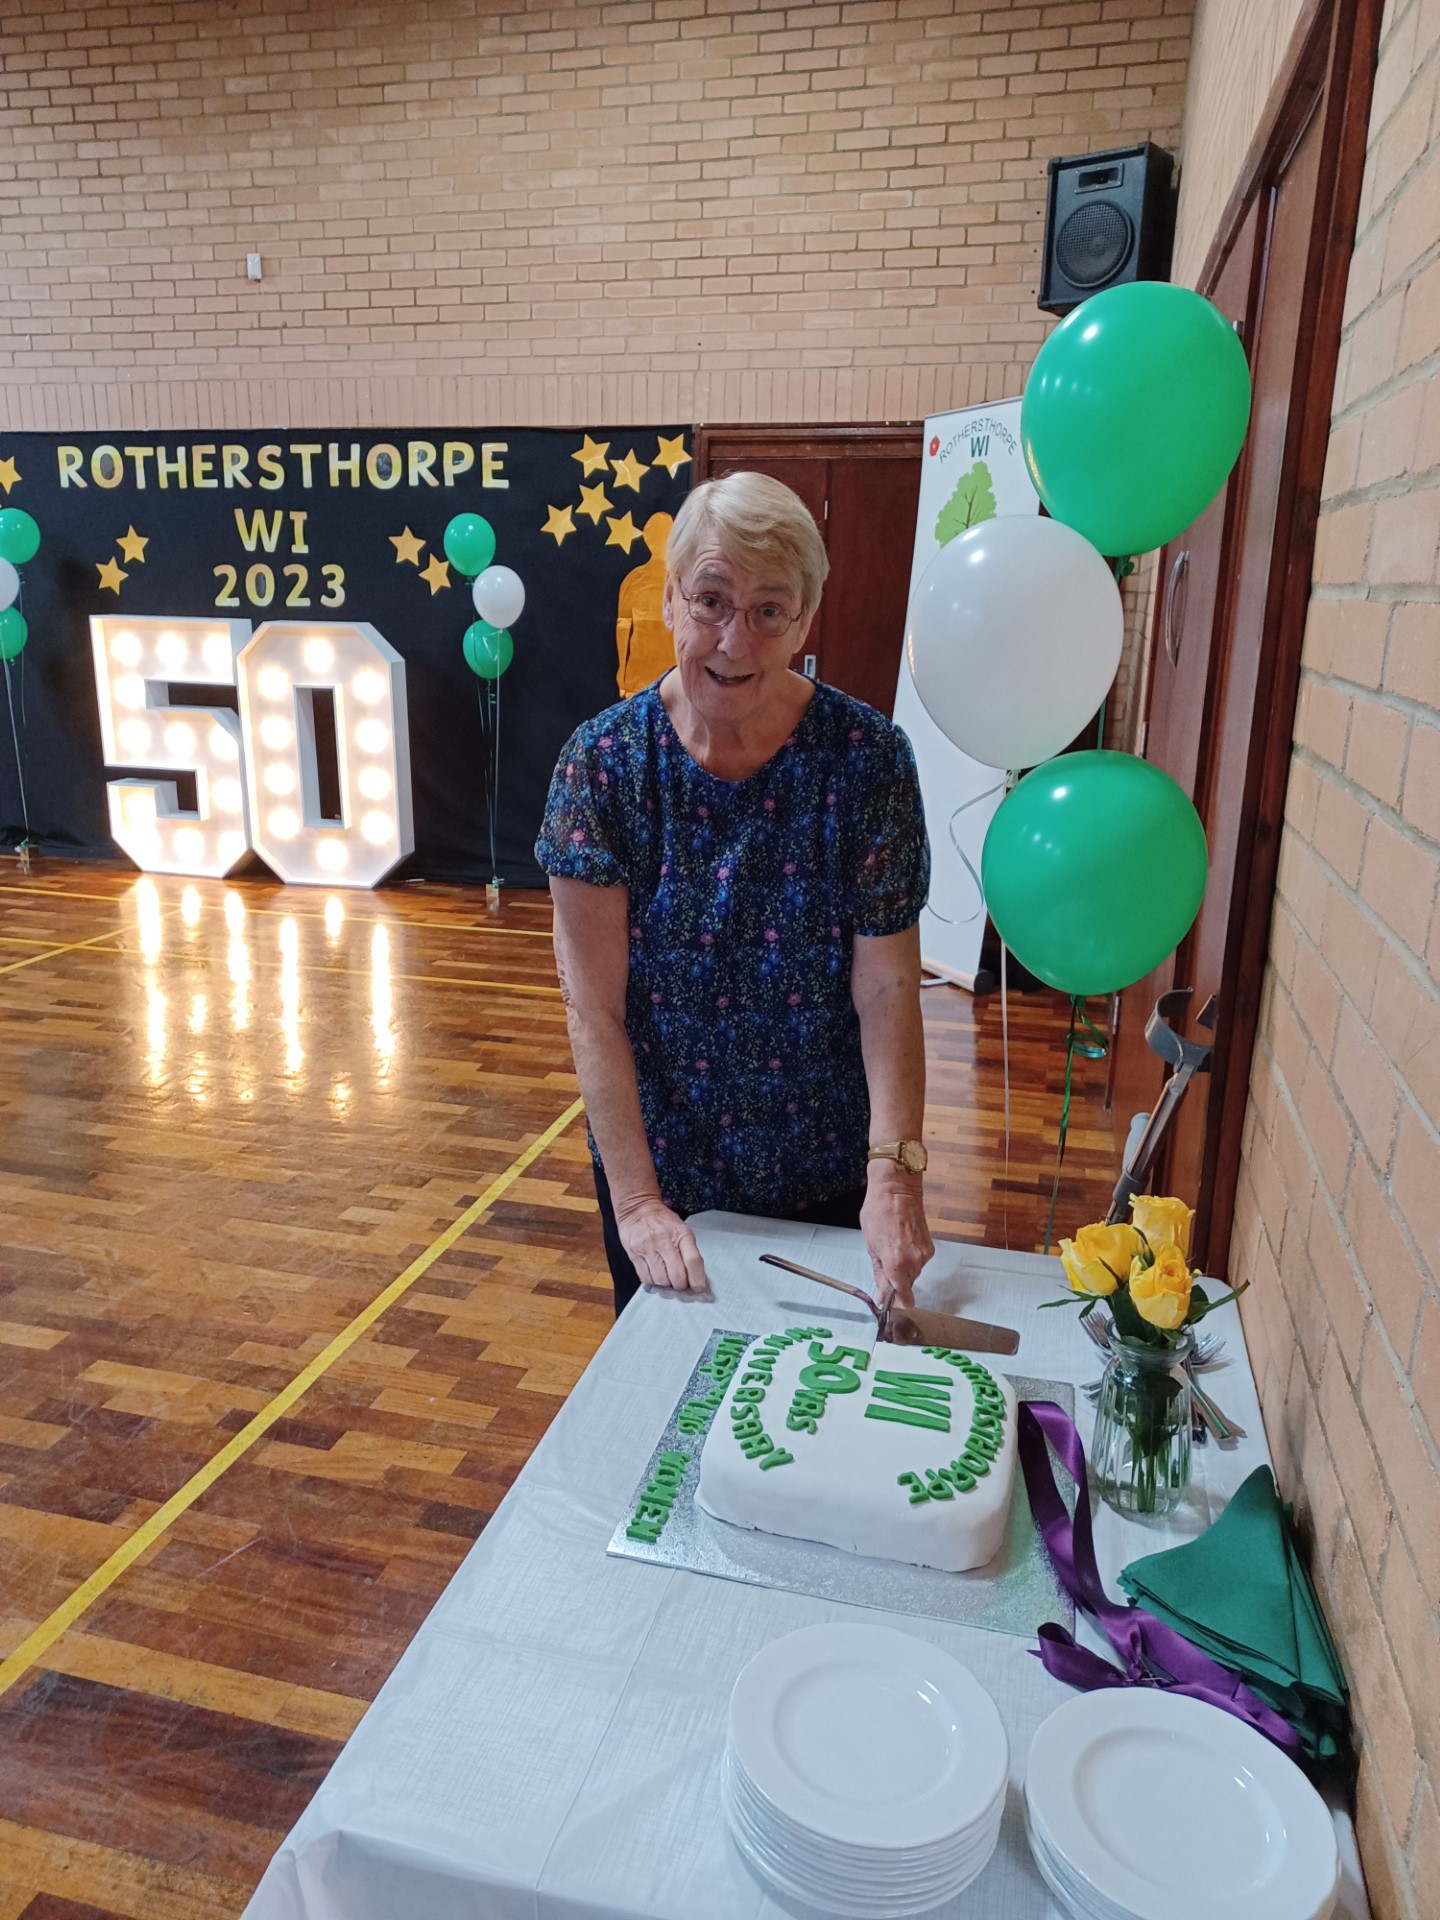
913, 1156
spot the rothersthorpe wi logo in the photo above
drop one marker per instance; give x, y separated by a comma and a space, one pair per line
972, 442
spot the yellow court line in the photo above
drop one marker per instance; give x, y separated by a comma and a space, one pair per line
36, 1644
53, 953
304, 913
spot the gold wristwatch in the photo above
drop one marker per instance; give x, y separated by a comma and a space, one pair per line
909, 1154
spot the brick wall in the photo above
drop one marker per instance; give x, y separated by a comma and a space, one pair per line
468, 210
1339, 1214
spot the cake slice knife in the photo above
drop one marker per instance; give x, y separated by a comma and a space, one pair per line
915, 1326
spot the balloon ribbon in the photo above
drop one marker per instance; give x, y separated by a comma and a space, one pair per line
1094, 1048
1154, 1654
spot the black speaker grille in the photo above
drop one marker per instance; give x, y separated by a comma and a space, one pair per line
1094, 243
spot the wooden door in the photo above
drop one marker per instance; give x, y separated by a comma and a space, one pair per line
862, 484
1300, 192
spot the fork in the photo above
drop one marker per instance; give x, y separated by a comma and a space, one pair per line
1204, 1414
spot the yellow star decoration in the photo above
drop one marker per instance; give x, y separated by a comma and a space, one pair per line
111, 574
629, 470
592, 456
561, 523
437, 573
672, 455
623, 533
594, 501
9, 475
133, 545
408, 548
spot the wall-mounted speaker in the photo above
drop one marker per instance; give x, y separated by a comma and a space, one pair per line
1109, 218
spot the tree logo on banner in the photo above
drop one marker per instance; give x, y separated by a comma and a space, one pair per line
256, 773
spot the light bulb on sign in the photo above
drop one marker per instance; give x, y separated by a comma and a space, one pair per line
377, 828
332, 855
369, 686
374, 783
224, 745
134, 735
274, 683
284, 823
226, 795
372, 736
180, 740
126, 648
130, 691
172, 652
218, 655
276, 733
189, 844
318, 655
280, 778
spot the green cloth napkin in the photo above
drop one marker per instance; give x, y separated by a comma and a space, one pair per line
1241, 1593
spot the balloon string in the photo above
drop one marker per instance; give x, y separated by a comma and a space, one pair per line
1091, 1049
19, 769
966, 861
495, 801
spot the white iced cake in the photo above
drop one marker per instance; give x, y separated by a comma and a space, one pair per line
904, 1453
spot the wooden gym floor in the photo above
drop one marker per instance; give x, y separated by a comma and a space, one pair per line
298, 1258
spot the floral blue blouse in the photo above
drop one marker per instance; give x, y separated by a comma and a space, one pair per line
745, 897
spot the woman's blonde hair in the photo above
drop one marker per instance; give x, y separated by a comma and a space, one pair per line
761, 524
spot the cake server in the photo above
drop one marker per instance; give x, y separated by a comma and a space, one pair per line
915, 1326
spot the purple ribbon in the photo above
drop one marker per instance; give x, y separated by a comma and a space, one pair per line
1154, 1655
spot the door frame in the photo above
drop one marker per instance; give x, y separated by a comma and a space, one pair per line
861, 440
1334, 46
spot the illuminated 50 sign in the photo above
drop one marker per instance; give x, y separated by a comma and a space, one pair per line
257, 774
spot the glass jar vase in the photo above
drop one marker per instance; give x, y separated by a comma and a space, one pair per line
1140, 1452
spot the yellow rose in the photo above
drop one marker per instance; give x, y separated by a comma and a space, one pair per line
1164, 1223
1098, 1258
1161, 1291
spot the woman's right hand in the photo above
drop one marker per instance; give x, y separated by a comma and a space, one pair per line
663, 1249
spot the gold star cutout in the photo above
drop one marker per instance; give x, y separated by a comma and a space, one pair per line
437, 573
672, 455
594, 501
623, 533
629, 470
111, 574
133, 545
408, 548
9, 475
561, 523
592, 455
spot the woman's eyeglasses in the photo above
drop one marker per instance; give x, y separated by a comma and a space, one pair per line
767, 620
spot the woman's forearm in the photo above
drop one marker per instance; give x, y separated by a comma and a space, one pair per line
892, 1034
605, 1066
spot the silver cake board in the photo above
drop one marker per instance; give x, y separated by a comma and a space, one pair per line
1014, 1593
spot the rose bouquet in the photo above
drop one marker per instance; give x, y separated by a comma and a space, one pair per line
1141, 1270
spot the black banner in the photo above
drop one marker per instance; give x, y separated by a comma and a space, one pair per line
344, 525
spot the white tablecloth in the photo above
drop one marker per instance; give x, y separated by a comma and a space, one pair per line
549, 1744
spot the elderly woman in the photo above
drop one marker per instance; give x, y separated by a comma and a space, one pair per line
738, 862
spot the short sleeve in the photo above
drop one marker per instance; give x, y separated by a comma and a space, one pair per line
892, 880
580, 837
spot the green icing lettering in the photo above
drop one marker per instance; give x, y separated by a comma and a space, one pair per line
917, 1399
801, 1422
825, 1377
918, 1495
749, 1396
779, 1458
937, 1486
908, 1417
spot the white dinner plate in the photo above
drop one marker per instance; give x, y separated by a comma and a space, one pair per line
844, 1896
805, 1844
879, 1882
868, 1737
1169, 1809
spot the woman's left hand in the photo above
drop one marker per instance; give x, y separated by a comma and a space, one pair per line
896, 1234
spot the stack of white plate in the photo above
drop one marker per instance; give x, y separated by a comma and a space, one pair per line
1143, 1805
865, 1771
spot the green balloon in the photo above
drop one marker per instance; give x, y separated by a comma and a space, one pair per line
1134, 414
469, 544
19, 536
1094, 869
13, 632
488, 650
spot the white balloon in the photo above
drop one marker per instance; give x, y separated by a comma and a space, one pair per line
499, 596
1015, 634
9, 584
